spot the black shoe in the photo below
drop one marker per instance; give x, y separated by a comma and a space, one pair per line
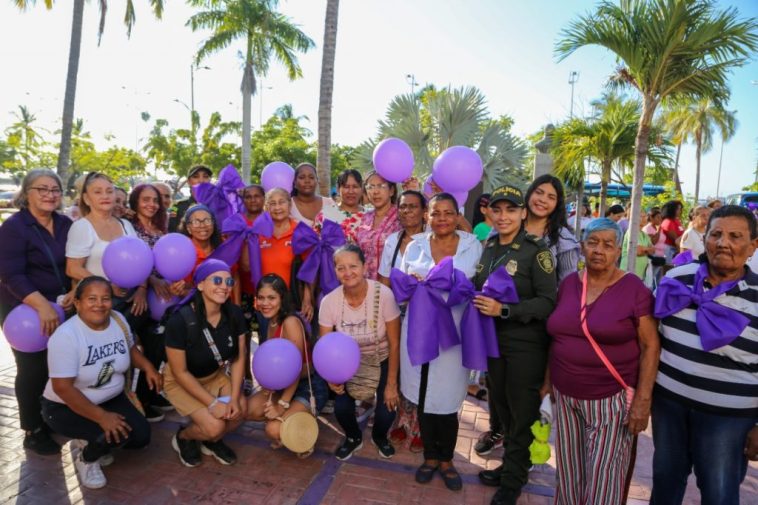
505, 496
491, 477
488, 442
384, 447
160, 403
41, 442
425, 473
189, 450
153, 415
219, 450
348, 447
452, 479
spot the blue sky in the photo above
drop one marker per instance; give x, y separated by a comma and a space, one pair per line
503, 47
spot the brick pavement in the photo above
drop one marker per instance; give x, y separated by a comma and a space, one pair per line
262, 475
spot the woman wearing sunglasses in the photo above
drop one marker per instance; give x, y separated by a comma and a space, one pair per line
205, 345
199, 224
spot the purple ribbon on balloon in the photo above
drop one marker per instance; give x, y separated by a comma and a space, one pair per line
430, 321
683, 258
320, 260
223, 197
478, 336
718, 325
238, 233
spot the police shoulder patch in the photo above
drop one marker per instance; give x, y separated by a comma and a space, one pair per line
545, 260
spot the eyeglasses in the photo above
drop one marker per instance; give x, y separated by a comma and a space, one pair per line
48, 191
217, 280
200, 222
383, 185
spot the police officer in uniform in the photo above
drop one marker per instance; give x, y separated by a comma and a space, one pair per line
516, 377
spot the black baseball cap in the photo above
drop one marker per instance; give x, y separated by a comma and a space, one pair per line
198, 168
507, 193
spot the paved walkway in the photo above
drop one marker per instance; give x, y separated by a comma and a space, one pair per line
262, 475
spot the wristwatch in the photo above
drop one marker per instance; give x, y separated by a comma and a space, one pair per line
284, 404
505, 311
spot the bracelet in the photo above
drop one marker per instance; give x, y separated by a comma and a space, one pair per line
283, 403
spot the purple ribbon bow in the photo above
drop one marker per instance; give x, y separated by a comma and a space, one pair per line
222, 198
478, 336
718, 325
683, 258
238, 233
320, 260
430, 321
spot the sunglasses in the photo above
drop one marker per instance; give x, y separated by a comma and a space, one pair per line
217, 280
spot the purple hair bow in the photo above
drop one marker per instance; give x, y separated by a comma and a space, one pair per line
222, 198
320, 260
238, 233
430, 321
478, 336
718, 325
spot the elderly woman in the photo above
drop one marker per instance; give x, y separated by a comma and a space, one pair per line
84, 398
439, 386
515, 378
306, 203
366, 310
377, 224
349, 212
604, 342
705, 406
32, 266
205, 345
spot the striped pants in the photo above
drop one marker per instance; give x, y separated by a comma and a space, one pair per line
593, 448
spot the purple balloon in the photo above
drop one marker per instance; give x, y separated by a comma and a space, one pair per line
460, 197
127, 261
277, 174
23, 330
336, 357
158, 305
277, 364
458, 168
393, 159
175, 256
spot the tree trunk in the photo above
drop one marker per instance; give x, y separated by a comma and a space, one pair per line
640, 146
64, 153
323, 158
698, 152
678, 181
605, 176
248, 89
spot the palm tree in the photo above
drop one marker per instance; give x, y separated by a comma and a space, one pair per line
64, 152
697, 121
438, 119
25, 139
323, 158
266, 33
665, 48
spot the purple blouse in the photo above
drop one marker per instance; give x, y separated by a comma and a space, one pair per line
25, 265
575, 369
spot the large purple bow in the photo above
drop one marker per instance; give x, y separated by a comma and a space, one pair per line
718, 325
320, 260
478, 336
430, 321
222, 198
238, 233
683, 258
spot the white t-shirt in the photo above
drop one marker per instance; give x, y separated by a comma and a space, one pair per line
385, 263
96, 359
328, 207
83, 242
693, 240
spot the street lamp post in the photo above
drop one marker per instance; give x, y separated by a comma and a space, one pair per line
192, 85
261, 87
573, 78
411, 78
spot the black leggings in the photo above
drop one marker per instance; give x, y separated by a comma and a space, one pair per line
344, 410
31, 378
439, 432
70, 424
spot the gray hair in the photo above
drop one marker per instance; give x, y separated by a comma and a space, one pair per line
21, 199
603, 224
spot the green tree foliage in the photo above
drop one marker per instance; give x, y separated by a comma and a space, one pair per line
25, 143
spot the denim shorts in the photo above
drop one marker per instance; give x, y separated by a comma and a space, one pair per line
320, 392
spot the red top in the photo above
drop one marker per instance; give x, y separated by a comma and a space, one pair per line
672, 225
278, 334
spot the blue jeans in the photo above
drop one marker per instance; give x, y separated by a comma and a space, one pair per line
344, 410
713, 444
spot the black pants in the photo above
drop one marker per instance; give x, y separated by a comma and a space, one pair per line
496, 425
31, 378
344, 410
70, 424
439, 432
152, 345
515, 381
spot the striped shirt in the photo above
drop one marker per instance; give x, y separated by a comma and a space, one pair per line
724, 380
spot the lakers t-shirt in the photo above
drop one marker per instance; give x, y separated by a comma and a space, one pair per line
97, 360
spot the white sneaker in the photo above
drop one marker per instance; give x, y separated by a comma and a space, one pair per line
78, 445
90, 474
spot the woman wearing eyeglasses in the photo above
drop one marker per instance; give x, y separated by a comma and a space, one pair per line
379, 223
199, 224
32, 267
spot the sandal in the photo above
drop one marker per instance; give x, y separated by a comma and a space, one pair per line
452, 479
425, 473
480, 395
